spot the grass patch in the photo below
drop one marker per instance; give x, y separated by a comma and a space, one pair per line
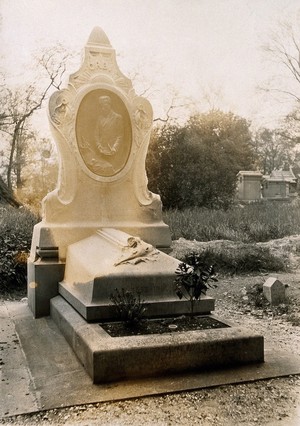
16, 227
241, 259
256, 222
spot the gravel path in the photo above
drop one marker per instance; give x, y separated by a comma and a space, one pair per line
266, 402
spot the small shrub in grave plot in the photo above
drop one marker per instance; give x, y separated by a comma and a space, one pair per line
256, 297
130, 308
193, 279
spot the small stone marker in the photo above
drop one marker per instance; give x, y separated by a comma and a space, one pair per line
274, 291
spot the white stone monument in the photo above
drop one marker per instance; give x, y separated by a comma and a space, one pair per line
102, 230
102, 131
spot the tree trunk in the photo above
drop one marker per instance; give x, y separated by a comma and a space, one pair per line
19, 159
11, 156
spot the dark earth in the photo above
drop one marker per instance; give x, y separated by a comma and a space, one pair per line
162, 325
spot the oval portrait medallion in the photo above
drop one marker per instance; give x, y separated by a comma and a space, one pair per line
103, 132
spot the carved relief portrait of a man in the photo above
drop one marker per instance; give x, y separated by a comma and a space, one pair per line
103, 132
109, 129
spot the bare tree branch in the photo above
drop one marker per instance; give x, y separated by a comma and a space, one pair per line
284, 49
21, 104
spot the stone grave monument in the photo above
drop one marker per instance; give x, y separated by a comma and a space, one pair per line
102, 229
102, 130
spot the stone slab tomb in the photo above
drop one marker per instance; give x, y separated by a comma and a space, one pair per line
111, 259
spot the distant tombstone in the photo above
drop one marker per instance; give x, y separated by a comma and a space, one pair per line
249, 186
274, 291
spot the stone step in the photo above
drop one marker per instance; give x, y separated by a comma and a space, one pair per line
109, 359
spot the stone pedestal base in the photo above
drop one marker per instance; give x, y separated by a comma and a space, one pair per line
43, 279
62, 235
108, 359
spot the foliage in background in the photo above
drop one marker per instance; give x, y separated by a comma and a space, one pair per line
193, 279
274, 149
256, 222
196, 164
129, 306
249, 224
39, 174
16, 227
243, 258
237, 258
20, 104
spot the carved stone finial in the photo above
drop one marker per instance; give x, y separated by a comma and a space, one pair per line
99, 38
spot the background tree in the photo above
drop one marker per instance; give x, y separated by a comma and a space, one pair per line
19, 104
166, 163
283, 49
196, 164
39, 172
273, 148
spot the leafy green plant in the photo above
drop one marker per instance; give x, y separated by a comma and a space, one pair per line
130, 308
193, 279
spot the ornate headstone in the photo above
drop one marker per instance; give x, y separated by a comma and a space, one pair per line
102, 130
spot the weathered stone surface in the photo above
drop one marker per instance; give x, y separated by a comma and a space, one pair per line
109, 358
274, 291
99, 264
102, 131
43, 277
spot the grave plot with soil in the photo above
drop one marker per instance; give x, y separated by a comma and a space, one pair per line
162, 325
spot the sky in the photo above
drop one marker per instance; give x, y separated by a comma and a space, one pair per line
208, 52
